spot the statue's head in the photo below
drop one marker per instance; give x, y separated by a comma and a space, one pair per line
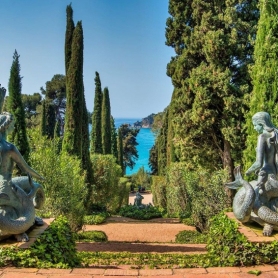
264, 120
6, 122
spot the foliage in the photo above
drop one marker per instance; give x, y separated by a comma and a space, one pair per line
54, 248
72, 141
213, 42
50, 120
141, 178
106, 189
130, 153
114, 147
159, 156
153, 160
96, 140
120, 158
68, 36
95, 219
64, 182
228, 247
91, 236
145, 213
190, 237
18, 136
196, 195
55, 93
140, 260
157, 122
264, 74
158, 189
106, 122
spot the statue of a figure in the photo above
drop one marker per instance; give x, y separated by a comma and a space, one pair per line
19, 196
258, 201
138, 200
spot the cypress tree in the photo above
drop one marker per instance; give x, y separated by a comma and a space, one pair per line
15, 106
72, 142
85, 156
264, 96
43, 120
114, 148
50, 120
120, 151
213, 43
96, 138
69, 35
106, 122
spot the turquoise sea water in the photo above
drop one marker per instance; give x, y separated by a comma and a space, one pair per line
145, 140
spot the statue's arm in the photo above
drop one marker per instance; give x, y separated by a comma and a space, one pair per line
259, 155
20, 161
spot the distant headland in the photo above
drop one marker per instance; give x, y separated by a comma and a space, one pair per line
146, 122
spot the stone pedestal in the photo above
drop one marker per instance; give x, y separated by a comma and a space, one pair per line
253, 232
33, 233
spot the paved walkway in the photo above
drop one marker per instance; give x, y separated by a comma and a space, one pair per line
268, 271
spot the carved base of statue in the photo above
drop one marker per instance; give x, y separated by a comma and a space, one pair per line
18, 200
256, 202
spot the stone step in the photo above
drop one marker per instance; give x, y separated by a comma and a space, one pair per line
122, 219
137, 247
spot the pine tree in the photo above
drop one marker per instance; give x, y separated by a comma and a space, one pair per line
72, 142
213, 43
96, 139
69, 35
114, 148
106, 122
120, 151
15, 106
264, 96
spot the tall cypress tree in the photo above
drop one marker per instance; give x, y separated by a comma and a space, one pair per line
15, 106
213, 42
114, 148
43, 120
106, 122
50, 120
69, 35
264, 96
96, 139
72, 142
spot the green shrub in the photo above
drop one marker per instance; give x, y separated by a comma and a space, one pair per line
141, 178
91, 236
54, 248
158, 189
146, 213
107, 191
95, 219
190, 237
228, 247
197, 195
64, 182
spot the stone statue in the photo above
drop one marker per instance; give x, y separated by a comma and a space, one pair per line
258, 201
19, 196
138, 200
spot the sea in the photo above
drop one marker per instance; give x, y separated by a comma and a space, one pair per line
145, 139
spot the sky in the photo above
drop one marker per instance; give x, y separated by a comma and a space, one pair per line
124, 41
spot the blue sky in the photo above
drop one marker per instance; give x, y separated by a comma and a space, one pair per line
124, 40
